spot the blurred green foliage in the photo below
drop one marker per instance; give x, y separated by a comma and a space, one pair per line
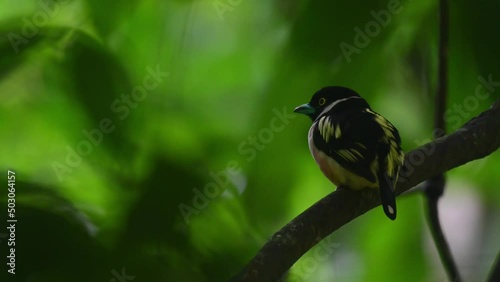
154, 138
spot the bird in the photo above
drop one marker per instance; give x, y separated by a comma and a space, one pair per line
354, 146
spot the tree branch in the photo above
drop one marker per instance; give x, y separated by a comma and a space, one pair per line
495, 270
476, 139
434, 187
442, 83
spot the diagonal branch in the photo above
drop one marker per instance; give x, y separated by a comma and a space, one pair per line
495, 270
476, 139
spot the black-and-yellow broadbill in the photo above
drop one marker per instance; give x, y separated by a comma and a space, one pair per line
354, 146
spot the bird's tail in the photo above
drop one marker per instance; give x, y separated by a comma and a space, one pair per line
387, 196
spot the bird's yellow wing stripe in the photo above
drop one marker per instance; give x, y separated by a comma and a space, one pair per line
327, 129
351, 155
396, 157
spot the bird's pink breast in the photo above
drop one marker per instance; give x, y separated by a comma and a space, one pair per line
322, 160
337, 174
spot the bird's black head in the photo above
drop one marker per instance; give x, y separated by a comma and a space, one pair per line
329, 97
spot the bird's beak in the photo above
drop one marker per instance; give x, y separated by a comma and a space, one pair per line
305, 109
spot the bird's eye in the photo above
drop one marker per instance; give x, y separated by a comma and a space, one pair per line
322, 101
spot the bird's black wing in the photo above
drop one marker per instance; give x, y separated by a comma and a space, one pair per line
351, 139
366, 144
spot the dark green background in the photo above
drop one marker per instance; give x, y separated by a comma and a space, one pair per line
231, 65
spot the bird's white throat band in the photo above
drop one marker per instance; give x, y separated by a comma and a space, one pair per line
329, 107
